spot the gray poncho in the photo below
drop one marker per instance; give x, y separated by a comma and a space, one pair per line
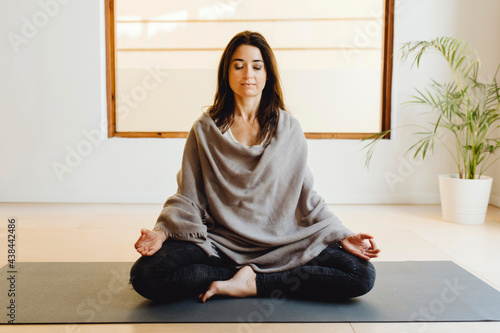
255, 204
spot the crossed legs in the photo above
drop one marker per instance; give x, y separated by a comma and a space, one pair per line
182, 269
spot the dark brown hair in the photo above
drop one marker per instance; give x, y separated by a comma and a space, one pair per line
222, 111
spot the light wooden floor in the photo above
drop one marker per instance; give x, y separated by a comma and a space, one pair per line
106, 232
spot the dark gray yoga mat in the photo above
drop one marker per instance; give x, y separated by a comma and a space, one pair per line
100, 293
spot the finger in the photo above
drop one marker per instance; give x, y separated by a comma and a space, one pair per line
364, 256
140, 241
365, 236
372, 254
374, 250
373, 245
375, 253
143, 251
366, 253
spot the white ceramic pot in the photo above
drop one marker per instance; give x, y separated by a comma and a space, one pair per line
464, 201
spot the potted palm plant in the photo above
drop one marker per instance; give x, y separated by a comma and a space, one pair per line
464, 118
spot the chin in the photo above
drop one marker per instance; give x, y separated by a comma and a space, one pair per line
250, 95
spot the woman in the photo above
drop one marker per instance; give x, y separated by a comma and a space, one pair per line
245, 220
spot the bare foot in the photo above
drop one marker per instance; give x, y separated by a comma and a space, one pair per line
242, 284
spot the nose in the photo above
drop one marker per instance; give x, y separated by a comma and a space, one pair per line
248, 74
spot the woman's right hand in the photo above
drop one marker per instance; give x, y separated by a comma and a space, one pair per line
150, 241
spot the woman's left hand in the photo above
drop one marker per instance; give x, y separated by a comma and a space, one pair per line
361, 245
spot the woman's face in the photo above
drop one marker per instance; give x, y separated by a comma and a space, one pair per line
247, 73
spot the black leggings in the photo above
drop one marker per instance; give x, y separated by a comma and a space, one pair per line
182, 269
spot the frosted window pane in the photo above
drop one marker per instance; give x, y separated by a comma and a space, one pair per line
329, 54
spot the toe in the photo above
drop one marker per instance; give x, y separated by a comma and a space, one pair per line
213, 289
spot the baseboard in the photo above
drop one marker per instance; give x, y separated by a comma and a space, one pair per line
345, 199
365, 199
384, 199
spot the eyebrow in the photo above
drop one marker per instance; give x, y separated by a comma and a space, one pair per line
257, 60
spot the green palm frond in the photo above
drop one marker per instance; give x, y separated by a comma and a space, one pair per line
466, 108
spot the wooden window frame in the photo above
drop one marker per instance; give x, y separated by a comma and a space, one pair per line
387, 57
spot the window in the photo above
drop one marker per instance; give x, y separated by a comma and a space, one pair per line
334, 57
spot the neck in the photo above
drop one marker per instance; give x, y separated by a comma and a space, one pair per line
246, 108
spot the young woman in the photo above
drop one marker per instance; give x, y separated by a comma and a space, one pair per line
245, 220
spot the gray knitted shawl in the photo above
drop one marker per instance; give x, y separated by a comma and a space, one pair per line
255, 204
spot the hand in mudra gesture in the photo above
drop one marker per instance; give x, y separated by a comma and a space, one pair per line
150, 241
361, 245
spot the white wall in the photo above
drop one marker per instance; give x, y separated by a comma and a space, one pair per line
52, 95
